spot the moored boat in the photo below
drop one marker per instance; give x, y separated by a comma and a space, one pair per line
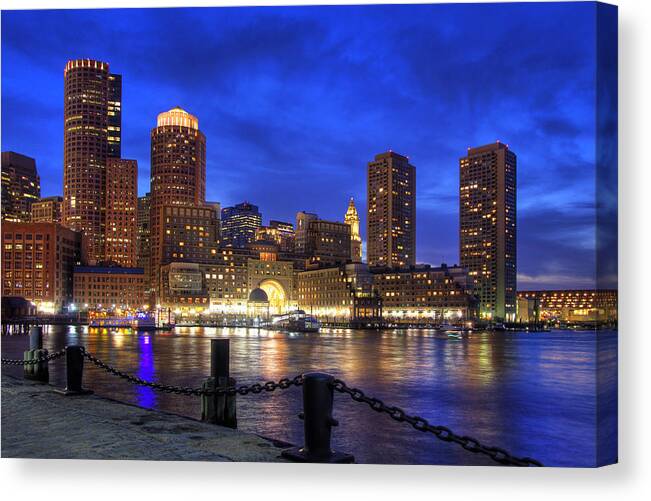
296, 321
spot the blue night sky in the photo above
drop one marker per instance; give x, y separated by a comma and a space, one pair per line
294, 102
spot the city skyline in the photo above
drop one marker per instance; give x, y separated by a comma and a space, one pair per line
550, 254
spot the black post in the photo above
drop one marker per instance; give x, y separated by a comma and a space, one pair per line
36, 338
74, 372
36, 371
220, 352
317, 423
219, 409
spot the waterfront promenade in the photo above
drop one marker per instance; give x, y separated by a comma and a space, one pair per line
39, 423
491, 386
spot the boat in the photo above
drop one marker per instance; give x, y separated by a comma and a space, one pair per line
296, 321
445, 327
499, 327
141, 321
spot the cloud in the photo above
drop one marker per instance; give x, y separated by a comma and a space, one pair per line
295, 101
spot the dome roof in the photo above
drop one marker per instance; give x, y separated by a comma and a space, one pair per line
258, 296
179, 117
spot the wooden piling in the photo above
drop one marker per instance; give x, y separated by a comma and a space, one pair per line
219, 409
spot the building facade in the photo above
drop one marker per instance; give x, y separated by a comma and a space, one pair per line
21, 186
189, 234
426, 295
227, 281
114, 288
577, 306
114, 113
38, 261
87, 87
178, 174
239, 225
120, 245
278, 232
275, 278
221, 287
303, 220
183, 289
391, 216
47, 210
487, 227
144, 235
339, 294
328, 242
352, 219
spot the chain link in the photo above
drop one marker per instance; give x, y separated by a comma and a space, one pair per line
441, 432
269, 386
34, 361
470, 444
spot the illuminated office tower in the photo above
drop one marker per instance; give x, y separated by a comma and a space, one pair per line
279, 233
328, 242
144, 236
352, 219
21, 186
487, 229
285, 235
87, 89
303, 220
178, 173
121, 212
190, 234
239, 224
391, 216
114, 112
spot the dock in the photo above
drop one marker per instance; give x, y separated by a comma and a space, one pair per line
37, 422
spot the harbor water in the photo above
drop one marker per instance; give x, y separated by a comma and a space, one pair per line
533, 394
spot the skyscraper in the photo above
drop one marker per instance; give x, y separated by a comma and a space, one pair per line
121, 211
328, 242
391, 220
114, 111
487, 227
178, 173
302, 222
190, 234
144, 235
352, 219
87, 87
21, 186
239, 224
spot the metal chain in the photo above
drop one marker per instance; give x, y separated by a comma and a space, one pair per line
184, 390
396, 413
441, 432
34, 361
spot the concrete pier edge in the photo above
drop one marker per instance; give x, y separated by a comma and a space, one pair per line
39, 423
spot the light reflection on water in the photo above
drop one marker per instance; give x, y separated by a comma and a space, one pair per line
532, 394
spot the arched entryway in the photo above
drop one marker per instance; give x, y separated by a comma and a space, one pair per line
277, 295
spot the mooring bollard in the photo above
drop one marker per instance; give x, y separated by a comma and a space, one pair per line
74, 372
219, 409
317, 423
36, 371
36, 338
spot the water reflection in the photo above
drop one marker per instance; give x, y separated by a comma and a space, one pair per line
146, 396
533, 394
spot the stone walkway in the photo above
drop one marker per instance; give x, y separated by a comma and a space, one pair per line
39, 423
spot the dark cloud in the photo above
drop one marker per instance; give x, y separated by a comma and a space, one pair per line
295, 101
